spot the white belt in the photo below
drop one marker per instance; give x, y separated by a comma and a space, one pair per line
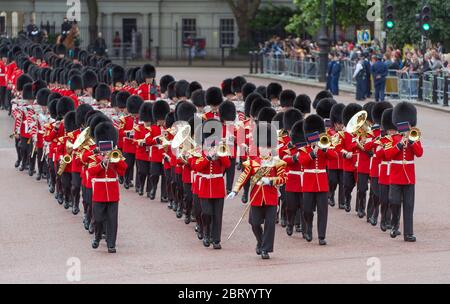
385, 163
402, 162
2, 75
210, 176
296, 173
315, 171
105, 180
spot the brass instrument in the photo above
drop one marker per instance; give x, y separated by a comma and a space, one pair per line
83, 139
67, 159
324, 141
183, 137
358, 125
223, 150
115, 156
69, 147
414, 134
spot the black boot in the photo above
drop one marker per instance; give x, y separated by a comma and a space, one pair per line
38, 176
289, 230
95, 243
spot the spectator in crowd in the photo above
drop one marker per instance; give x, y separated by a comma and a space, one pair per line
117, 44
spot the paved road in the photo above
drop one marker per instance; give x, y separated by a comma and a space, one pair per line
37, 236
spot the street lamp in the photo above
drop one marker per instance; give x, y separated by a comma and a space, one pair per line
324, 44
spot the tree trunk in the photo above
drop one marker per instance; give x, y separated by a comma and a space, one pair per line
244, 11
93, 17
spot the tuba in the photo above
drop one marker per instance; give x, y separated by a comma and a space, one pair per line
67, 159
83, 139
358, 124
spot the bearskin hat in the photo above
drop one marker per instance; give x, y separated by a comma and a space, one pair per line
349, 111
274, 90
113, 99
368, 108
198, 98
291, 116
146, 112
227, 111
226, 87
266, 114
164, 82
257, 105
117, 75
102, 92
336, 113
38, 53
51, 106
378, 109
262, 90
23, 80
53, 96
247, 89
4, 52
106, 131
70, 123
160, 110
405, 111
27, 92
148, 71
60, 49
185, 110
42, 96
76, 83
237, 84
37, 85
171, 94
89, 79
324, 106
313, 123
81, 113
303, 103
65, 104
386, 120
297, 134
249, 101
321, 95
213, 96
89, 117
121, 99
264, 135
170, 119
278, 118
134, 103
193, 86
95, 120
287, 98
181, 88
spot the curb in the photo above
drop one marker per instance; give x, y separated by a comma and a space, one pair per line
345, 89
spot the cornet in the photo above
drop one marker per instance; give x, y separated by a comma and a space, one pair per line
414, 134
115, 156
324, 141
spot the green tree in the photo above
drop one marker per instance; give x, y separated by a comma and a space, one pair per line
93, 17
349, 12
244, 11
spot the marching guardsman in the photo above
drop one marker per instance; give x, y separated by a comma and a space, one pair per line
149, 90
303, 103
335, 166
181, 89
167, 158
227, 112
42, 120
105, 170
314, 160
348, 152
406, 146
363, 161
75, 88
102, 96
213, 98
294, 177
265, 172
237, 84
372, 145
127, 131
117, 78
25, 128
142, 131
227, 90
67, 160
389, 130
274, 90
121, 104
210, 168
198, 99
287, 98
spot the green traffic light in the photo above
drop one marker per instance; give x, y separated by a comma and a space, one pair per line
426, 27
390, 24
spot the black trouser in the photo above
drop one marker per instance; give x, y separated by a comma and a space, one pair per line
168, 185
8, 101
230, 171
212, 212
197, 211
26, 145
40, 160
294, 208
76, 188
90, 211
282, 202
349, 184
187, 198
157, 170
385, 203
402, 195
66, 184
178, 187
3, 98
374, 209
83, 195
109, 213
361, 192
311, 201
130, 159
19, 153
143, 169
266, 215
335, 179
51, 171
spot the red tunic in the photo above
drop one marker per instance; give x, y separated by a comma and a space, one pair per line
211, 181
349, 145
105, 182
142, 151
294, 171
315, 177
148, 92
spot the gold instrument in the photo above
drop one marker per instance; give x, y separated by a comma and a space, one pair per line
414, 134
324, 141
183, 137
84, 139
69, 147
358, 125
67, 159
281, 133
223, 150
115, 156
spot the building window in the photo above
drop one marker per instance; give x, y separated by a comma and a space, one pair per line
189, 28
14, 24
226, 32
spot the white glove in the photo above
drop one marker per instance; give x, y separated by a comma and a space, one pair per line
265, 181
231, 195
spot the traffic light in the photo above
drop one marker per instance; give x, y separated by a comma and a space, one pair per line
389, 22
426, 18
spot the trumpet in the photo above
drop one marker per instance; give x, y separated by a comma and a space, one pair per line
324, 141
67, 159
115, 156
414, 134
223, 150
